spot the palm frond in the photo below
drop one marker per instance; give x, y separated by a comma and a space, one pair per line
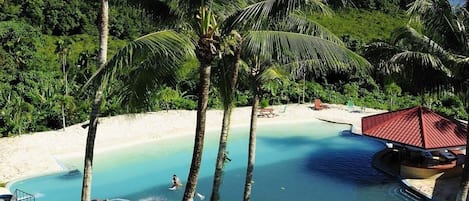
380, 51
433, 13
462, 69
318, 7
274, 72
379, 54
438, 20
224, 9
145, 78
424, 70
462, 27
287, 47
301, 24
149, 57
255, 14
425, 60
416, 39
163, 43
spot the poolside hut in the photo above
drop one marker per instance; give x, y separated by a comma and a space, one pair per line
421, 138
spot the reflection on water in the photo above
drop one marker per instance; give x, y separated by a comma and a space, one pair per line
303, 161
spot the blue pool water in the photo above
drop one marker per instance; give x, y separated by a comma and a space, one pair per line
301, 161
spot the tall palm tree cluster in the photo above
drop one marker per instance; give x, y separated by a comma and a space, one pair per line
262, 41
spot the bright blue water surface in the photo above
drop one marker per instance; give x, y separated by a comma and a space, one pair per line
294, 162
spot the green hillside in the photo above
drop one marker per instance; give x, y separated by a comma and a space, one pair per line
362, 25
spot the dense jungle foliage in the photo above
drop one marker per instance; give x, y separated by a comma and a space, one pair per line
48, 51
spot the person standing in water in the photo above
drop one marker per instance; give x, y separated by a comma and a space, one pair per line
176, 183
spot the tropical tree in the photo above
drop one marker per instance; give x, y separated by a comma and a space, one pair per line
239, 20
63, 50
304, 45
228, 72
392, 90
103, 18
142, 65
207, 48
143, 59
412, 55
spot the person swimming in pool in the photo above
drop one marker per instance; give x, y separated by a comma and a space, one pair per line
176, 183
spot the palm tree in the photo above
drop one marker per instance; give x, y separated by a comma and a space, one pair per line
227, 87
63, 49
142, 65
319, 54
138, 59
393, 90
102, 57
207, 49
423, 63
239, 20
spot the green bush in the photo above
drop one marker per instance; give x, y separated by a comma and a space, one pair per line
184, 103
243, 98
264, 103
351, 90
315, 90
452, 102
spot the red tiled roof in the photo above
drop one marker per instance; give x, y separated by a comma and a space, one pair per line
417, 127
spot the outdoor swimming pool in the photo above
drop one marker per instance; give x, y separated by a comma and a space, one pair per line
300, 161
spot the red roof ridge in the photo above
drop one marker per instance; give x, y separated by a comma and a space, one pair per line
401, 112
422, 131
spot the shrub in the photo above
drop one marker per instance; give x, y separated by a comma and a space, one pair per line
264, 103
242, 99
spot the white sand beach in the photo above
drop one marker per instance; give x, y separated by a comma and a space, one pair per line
38, 153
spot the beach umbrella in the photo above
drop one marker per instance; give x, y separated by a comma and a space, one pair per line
416, 128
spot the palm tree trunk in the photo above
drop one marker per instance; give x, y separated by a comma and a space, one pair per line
102, 57
63, 117
390, 106
199, 131
221, 157
304, 87
64, 63
252, 147
103, 32
464, 185
87, 170
225, 129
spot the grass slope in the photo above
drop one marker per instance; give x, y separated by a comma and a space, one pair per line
362, 25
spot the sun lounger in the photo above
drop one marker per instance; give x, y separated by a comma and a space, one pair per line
266, 112
350, 106
318, 105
